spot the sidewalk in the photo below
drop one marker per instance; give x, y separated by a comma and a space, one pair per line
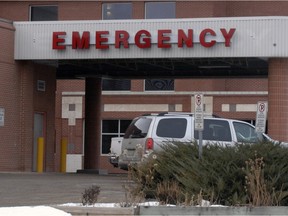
30, 189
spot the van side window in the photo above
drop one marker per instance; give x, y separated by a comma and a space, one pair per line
172, 128
138, 128
246, 133
216, 130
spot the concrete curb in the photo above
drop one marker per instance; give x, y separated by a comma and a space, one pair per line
177, 210
84, 211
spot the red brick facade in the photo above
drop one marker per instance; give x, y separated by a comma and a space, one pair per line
20, 98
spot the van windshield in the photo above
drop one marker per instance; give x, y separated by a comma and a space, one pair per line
138, 128
247, 133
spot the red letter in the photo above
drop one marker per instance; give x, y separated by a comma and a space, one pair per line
80, 43
183, 38
146, 40
100, 40
121, 37
227, 36
162, 38
203, 35
57, 40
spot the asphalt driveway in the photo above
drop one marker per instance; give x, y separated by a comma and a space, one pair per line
22, 189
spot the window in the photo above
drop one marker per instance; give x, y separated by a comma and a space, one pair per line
41, 85
172, 128
160, 10
246, 133
215, 130
113, 11
138, 128
44, 13
112, 128
116, 85
159, 84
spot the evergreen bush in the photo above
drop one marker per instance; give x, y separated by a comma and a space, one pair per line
224, 174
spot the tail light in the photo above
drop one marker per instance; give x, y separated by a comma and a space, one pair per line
149, 144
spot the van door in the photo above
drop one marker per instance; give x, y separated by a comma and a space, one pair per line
216, 131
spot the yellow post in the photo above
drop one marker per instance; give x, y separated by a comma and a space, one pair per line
40, 154
64, 143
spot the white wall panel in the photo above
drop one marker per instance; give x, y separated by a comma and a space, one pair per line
254, 37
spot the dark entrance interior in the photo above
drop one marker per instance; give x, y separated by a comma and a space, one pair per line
163, 68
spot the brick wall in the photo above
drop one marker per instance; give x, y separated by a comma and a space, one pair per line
278, 106
9, 100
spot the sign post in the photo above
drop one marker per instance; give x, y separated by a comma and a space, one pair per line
198, 120
261, 116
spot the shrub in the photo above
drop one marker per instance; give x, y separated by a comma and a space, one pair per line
90, 195
220, 176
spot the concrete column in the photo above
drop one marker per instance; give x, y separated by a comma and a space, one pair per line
278, 99
92, 123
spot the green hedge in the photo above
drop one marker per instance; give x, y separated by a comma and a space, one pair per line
254, 174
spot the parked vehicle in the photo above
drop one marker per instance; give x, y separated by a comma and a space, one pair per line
148, 132
115, 150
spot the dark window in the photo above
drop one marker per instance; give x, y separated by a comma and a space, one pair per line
112, 128
116, 85
106, 143
138, 128
172, 128
113, 11
159, 85
124, 125
215, 130
44, 13
246, 133
160, 10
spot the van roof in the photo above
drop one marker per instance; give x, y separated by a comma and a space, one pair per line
179, 113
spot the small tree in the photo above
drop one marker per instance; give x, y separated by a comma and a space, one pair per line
90, 195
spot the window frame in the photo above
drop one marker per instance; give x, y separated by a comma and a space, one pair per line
114, 134
122, 3
164, 2
155, 90
45, 5
126, 90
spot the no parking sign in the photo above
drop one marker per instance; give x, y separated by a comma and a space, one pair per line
199, 121
261, 116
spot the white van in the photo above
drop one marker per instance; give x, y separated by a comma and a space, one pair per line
146, 134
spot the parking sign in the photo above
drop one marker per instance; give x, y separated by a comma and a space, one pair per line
261, 116
199, 121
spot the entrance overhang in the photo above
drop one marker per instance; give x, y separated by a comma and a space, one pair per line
178, 48
240, 37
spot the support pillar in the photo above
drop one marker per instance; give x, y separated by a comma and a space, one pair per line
92, 123
278, 99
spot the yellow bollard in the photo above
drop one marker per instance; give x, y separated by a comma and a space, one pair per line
64, 143
40, 154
